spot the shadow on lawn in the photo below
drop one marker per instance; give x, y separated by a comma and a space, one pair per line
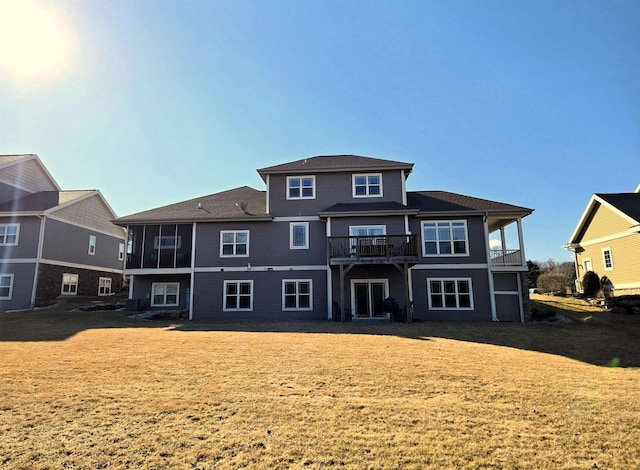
594, 338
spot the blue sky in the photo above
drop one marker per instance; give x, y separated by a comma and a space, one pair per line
535, 103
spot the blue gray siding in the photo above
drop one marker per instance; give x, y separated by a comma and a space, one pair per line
267, 295
27, 246
142, 288
331, 188
9, 193
69, 243
340, 225
22, 285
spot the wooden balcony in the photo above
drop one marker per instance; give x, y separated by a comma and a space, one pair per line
372, 249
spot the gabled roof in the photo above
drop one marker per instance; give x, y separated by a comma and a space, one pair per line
10, 160
43, 201
446, 202
330, 163
223, 206
626, 205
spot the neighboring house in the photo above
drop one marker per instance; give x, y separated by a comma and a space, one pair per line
607, 241
331, 237
53, 242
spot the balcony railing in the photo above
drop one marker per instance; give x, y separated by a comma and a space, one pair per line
374, 247
506, 258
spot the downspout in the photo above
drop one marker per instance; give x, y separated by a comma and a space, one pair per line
329, 274
492, 292
43, 221
193, 270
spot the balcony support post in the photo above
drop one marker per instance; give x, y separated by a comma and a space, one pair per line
523, 258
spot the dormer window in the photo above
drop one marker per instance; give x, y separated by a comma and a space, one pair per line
367, 185
301, 187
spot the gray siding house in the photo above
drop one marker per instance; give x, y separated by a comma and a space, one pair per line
331, 237
53, 242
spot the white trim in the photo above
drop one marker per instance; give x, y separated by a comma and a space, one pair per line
43, 221
131, 286
450, 266
234, 232
608, 238
487, 250
224, 295
441, 280
72, 276
143, 271
100, 279
218, 269
302, 218
520, 299
93, 241
407, 228
10, 276
17, 225
329, 295
121, 251
165, 284
6, 261
403, 181
267, 198
366, 185
86, 227
506, 292
353, 227
604, 258
297, 309
192, 268
590, 206
300, 177
353, 283
584, 264
451, 228
80, 266
306, 235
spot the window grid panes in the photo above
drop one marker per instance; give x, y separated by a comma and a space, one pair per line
6, 286
165, 294
296, 295
238, 295
367, 185
9, 234
234, 243
299, 235
104, 286
450, 294
69, 284
301, 187
445, 238
608, 261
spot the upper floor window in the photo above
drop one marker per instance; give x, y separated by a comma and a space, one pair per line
299, 235
120, 251
92, 244
9, 234
607, 258
6, 286
445, 238
450, 294
167, 242
369, 185
234, 243
301, 187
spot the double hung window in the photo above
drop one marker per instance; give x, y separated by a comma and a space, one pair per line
296, 294
69, 284
368, 185
234, 243
444, 238
238, 295
6, 286
450, 294
9, 234
104, 286
165, 294
301, 187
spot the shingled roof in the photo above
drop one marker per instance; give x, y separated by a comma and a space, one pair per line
42, 201
226, 205
327, 163
628, 203
443, 201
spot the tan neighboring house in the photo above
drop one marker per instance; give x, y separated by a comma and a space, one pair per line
607, 241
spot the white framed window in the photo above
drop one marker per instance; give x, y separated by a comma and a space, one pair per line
165, 294
607, 259
9, 234
92, 244
299, 235
238, 296
69, 284
367, 185
104, 286
6, 286
588, 266
301, 187
234, 243
297, 294
445, 238
450, 294
167, 242
120, 251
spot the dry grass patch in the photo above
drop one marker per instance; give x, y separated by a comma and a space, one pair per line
95, 390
